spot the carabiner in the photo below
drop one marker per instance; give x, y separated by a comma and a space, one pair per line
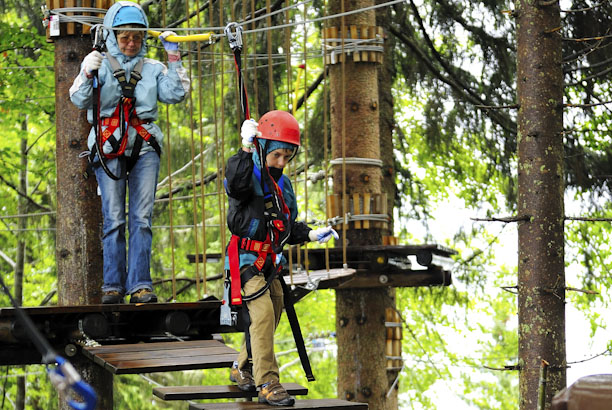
65, 377
235, 38
99, 40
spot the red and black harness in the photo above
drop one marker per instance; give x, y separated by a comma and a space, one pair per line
277, 221
123, 117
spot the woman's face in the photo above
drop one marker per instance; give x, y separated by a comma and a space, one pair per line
130, 42
279, 158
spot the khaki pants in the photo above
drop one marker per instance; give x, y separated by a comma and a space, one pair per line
265, 313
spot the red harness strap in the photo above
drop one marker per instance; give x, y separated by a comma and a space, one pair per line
112, 123
263, 249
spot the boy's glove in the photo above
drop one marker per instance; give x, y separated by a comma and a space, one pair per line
322, 235
92, 62
248, 132
169, 46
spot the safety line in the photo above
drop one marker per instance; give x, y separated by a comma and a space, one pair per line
202, 185
169, 164
193, 168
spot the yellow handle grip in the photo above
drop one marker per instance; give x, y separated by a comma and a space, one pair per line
183, 39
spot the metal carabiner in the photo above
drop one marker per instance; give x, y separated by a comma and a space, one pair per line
65, 377
99, 40
234, 38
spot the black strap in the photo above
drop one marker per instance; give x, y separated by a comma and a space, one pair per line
295, 329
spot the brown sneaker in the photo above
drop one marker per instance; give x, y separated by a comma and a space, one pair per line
243, 378
274, 394
112, 297
143, 296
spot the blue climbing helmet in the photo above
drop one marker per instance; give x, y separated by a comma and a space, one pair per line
129, 14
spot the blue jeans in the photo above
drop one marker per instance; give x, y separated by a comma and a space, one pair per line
141, 183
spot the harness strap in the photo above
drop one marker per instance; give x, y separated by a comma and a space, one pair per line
234, 263
295, 329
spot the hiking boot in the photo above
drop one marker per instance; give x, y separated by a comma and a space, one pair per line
112, 297
243, 378
143, 296
274, 394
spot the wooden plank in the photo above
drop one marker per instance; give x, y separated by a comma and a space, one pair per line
160, 354
125, 307
329, 404
70, 26
357, 210
164, 356
139, 347
364, 35
355, 36
217, 392
366, 209
171, 364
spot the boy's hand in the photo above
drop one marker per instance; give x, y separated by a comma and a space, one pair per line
322, 235
248, 132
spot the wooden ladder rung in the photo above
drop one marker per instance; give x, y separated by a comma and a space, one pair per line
328, 404
217, 392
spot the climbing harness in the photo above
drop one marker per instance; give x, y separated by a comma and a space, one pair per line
123, 117
64, 376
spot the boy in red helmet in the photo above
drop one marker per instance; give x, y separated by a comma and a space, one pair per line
262, 219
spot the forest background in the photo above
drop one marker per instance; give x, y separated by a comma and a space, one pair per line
453, 99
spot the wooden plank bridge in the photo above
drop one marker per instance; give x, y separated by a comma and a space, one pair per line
142, 338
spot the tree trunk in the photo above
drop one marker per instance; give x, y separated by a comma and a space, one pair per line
360, 313
541, 276
79, 217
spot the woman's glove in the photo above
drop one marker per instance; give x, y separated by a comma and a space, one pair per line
248, 132
168, 45
171, 47
322, 235
92, 62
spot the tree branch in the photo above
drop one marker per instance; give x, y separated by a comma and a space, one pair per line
24, 195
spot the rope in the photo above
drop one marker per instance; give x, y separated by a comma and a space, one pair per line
343, 141
202, 187
193, 170
169, 163
326, 138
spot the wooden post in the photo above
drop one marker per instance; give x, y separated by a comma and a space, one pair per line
79, 217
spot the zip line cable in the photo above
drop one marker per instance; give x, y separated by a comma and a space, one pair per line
85, 20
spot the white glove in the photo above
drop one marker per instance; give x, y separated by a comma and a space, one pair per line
92, 62
322, 235
248, 132
169, 46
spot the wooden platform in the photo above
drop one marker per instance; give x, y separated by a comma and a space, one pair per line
162, 356
217, 392
107, 324
329, 404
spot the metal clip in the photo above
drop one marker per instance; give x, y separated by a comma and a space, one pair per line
235, 38
99, 40
65, 377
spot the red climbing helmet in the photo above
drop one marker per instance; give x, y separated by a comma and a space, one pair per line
279, 126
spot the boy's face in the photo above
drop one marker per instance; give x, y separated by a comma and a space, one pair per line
279, 158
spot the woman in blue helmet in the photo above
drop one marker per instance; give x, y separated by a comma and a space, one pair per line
130, 140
